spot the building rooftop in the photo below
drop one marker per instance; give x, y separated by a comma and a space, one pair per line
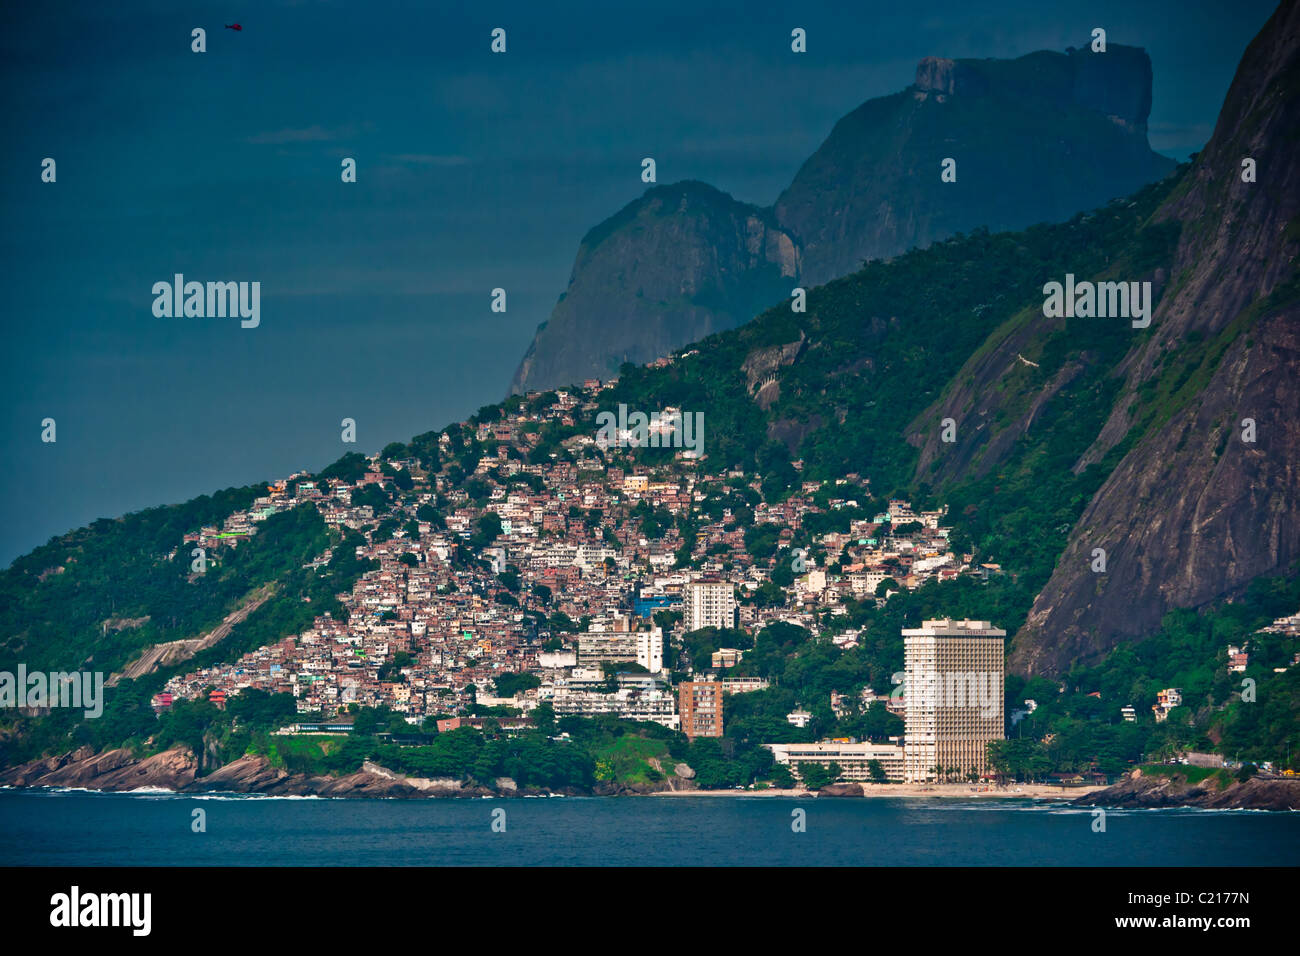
946, 627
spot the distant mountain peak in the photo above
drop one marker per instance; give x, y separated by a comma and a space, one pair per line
1116, 83
1038, 138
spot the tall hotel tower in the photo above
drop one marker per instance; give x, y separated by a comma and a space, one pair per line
953, 686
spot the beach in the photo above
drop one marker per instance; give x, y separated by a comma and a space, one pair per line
964, 791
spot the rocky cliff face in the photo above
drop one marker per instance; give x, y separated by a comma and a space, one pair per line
678, 264
174, 770
118, 770
1196, 509
111, 770
1036, 139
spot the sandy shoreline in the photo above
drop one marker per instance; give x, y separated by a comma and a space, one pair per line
1023, 791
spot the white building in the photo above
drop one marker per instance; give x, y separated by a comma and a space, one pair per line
743, 685
799, 718
639, 697
650, 649
854, 759
708, 603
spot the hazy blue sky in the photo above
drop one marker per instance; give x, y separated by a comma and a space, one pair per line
474, 171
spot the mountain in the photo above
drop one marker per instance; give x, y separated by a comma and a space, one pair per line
1036, 139
1068, 433
1071, 434
1194, 512
674, 266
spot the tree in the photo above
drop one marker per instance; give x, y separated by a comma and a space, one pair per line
366, 722
561, 622
544, 718
816, 775
781, 776
489, 529
509, 683
761, 540
877, 772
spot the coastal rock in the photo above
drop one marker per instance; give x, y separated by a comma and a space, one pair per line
249, 774
1139, 790
119, 770
169, 770
841, 790
611, 789
362, 784
115, 769
24, 774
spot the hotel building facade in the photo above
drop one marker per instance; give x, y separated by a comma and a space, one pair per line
953, 673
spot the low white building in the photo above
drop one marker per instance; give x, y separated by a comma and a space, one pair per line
854, 759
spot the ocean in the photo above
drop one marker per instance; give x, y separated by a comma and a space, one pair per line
78, 828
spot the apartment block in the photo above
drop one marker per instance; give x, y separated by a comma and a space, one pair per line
708, 603
700, 707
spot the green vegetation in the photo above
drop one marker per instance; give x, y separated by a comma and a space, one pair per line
874, 356
815, 775
1080, 717
297, 596
1191, 775
101, 594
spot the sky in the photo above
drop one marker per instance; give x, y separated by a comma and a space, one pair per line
474, 171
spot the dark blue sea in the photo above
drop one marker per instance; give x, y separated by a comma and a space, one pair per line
76, 828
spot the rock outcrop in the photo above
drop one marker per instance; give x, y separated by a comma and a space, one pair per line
1035, 139
111, 770
841, 790
118, 770
174, 652
678, 264
1139, 790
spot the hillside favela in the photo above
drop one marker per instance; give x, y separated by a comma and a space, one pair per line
934, 505
463, 597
